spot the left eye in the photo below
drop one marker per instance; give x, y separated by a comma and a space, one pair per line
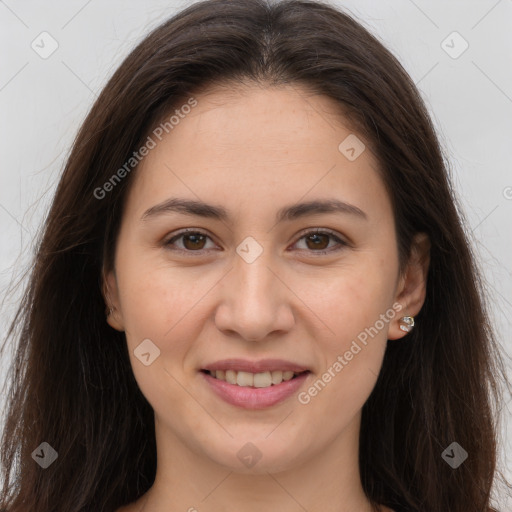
317, 241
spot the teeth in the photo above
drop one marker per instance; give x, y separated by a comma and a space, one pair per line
287, 375
257, 380
277, 377
245, 379
262, 380
230, 376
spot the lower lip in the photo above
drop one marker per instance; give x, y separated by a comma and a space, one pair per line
255, 398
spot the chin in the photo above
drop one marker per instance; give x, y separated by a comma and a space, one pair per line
257, 457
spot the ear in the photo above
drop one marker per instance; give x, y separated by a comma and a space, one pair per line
412, 286
111, 297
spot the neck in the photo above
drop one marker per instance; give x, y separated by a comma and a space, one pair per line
328, 482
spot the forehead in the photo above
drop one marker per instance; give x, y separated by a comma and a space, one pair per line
254, 143
237, 114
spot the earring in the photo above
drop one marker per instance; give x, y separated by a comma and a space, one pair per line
407, 323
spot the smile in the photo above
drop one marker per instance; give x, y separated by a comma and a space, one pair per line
273, 388
257, 380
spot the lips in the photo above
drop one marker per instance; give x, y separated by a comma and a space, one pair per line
254, 384
249, 397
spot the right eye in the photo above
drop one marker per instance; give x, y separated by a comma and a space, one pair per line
192, 240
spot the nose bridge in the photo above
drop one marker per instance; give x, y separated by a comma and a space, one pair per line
255, 280
254, 299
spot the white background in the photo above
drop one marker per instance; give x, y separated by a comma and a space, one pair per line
43, 102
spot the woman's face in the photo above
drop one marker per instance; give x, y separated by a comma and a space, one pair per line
256, 289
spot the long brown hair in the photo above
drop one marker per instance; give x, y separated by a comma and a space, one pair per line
71, 383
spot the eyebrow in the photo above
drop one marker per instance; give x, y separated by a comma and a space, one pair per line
288, 213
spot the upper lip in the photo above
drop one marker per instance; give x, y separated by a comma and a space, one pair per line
264, 365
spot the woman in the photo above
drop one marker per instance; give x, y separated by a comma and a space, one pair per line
253, 290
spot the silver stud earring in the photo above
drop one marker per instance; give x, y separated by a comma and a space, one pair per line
406, 323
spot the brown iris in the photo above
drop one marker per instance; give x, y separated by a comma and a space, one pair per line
315, 237
195, 241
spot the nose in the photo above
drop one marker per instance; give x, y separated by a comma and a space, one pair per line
255, 301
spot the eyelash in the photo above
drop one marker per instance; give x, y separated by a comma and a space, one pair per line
332, 234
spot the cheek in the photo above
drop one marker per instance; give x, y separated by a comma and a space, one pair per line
354, 307
359, 313
353, 299
158, 305
157, 302
151, 289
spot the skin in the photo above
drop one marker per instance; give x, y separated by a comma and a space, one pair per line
290, 303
